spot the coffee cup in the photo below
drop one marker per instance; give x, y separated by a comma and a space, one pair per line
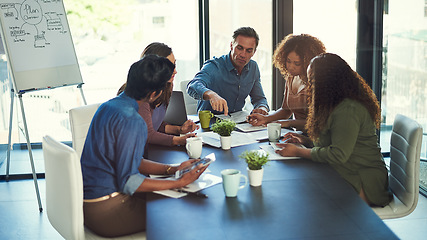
231, 181
205, 118
274, 131
194, 147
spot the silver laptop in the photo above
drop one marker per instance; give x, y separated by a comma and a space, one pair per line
176, 113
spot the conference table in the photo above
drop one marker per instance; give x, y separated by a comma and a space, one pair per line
298, 199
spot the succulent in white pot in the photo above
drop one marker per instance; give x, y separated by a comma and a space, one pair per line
224, 128
255, 160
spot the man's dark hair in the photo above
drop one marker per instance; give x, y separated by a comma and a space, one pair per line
149, 74
247, 32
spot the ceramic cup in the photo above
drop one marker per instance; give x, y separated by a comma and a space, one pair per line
274, 130
205, 118
194, 147
231, 181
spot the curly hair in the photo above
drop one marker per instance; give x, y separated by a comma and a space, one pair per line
304, 45
330, 81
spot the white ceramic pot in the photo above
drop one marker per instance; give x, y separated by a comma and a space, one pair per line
225, 142
255, 177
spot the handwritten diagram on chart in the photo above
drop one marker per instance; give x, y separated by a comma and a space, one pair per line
36, 33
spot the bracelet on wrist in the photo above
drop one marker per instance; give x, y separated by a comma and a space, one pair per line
168, 169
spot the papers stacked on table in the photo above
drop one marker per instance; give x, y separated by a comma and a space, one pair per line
237, 117
247, 127
237, 139
272, 155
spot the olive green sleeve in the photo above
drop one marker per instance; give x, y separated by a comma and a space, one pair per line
343, 129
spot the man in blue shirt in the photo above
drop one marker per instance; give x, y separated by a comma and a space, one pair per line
113, 168
223, 83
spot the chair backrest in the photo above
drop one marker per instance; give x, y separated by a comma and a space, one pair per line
80, 119
64, 188
406, 140
190, 103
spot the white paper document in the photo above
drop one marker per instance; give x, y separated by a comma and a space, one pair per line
247, 127
238, 117
272, 155
205, 180
237, 139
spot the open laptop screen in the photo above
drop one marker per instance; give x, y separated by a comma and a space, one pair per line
176, 113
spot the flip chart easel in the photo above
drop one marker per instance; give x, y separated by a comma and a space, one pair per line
40, 54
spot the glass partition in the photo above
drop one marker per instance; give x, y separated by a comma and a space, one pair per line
404, 87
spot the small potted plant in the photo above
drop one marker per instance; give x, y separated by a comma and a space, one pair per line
255, 159
224, 129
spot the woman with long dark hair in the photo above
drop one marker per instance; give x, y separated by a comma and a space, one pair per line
160, 132
344, 115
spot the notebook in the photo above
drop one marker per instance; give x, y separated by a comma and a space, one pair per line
176, 113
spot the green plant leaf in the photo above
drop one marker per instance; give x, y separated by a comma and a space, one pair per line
255, 158
223, 127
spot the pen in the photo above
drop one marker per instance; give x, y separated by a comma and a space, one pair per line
198, 194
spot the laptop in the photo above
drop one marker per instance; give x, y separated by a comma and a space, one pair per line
176, 113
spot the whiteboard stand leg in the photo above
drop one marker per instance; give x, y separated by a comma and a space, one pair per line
81, 91
30, 153
9, 140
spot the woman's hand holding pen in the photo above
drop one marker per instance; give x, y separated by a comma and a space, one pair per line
292, 137
256, 119
260, 110
290, 146
188, 126
288, 149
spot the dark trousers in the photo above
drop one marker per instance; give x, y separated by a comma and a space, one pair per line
117, 216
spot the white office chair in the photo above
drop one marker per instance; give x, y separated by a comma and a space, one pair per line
404, 175
64, 192
190, 103
80, 119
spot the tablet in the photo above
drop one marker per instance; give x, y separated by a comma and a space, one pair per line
205, 161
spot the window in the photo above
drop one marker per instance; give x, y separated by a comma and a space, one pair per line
334, 22
227, 16
108, 37
404, 87
159, 21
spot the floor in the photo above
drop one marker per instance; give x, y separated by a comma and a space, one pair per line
20, 217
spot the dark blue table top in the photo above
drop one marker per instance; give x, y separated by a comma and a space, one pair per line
298, 199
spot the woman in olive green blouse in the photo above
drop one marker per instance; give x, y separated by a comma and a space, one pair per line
344, 115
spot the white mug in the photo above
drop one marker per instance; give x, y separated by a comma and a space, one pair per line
231, 181
194, 147
274, 131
